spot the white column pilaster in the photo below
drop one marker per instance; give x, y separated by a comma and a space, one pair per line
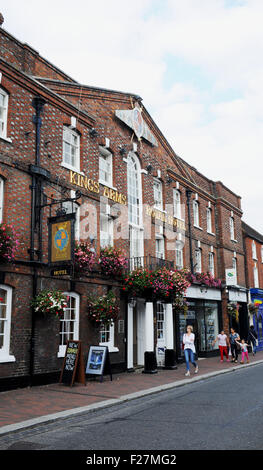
149, 334
169, 327
130, 337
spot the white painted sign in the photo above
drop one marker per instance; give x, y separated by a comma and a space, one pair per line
231, 277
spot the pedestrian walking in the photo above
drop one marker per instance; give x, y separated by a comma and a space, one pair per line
223, 343
253, 339
189, 349
244, 350
234, 351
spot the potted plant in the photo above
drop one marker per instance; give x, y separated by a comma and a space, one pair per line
112, 261
50, 302
103, 310
84, 258
9, 243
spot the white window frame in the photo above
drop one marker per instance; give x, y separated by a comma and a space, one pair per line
5, 355
135, 218
211, 263
3, 121
158, 194
232, 228
255, 274
62, 347
261, 253
209, 219
73, 134
105, 159
1, 199
179, 256
254, 250
198, 260
110, 329
196, 213
106, 237
177, 204
159, 246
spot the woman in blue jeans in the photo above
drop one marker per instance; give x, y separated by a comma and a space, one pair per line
189, 349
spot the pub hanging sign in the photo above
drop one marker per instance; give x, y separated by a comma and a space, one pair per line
61, 239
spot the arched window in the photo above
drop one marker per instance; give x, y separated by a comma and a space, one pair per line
232, 228
5, 323
3, 112
134, 188
69, 323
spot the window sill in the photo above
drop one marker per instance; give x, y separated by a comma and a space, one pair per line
197, 226
233, 240
160, 210
6, 139
104, 183
110, 348
211, 233
7, 358
69, 167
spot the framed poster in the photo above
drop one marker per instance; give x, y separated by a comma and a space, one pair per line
61, 239
96, 360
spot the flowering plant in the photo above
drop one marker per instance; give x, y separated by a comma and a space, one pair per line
253, 308
204, 278
181, 305
161, 283
84, 257
232, 309
112, 261
9, 243
50, 302
103, 310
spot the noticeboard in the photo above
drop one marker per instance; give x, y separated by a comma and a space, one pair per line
73, 365
98, 361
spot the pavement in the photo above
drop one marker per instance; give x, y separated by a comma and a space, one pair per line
29, 407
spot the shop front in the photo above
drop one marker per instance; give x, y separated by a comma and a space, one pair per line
238, 295
257, 318
204, 314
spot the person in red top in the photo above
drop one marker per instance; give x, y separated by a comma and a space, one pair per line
223, 342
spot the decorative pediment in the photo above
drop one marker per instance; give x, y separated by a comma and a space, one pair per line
133, 119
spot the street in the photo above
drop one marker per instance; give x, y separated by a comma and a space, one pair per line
221, 413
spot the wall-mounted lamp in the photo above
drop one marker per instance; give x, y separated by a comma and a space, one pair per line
93, 132
203, 289
122, 150
149, 168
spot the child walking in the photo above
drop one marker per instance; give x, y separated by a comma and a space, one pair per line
244, 350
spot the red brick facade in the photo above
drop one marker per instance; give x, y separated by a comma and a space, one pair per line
25, 75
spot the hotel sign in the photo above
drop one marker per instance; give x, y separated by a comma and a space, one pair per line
169, 219
93, 186
61, 239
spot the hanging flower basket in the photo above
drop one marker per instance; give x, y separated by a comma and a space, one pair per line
112, 262
103, 310
84, 258
232, 310
205, 278
49, 302
181, 305
253, 309
9, 243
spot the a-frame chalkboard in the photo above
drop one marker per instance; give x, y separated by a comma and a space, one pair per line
73, 365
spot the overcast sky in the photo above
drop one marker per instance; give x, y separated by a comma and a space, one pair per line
197, 64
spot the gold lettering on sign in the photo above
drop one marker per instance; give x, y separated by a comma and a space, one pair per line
94, 187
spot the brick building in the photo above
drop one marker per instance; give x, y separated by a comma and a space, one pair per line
57, 137
253, 245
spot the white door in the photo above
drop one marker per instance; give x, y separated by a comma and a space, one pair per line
140, 332
161, 337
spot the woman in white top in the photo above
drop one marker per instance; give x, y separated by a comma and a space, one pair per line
223, 342
189, 349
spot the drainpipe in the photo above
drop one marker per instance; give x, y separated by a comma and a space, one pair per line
188, 198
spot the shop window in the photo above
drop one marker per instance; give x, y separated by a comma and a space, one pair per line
105, 167
158, 194
71, 149
5, 323
69, 323
3, 113
177, 204
196, 213
1, 199
107, 337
